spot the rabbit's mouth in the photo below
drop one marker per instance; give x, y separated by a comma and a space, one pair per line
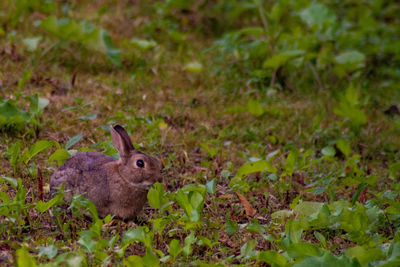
143, 185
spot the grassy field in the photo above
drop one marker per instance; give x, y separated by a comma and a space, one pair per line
277, 124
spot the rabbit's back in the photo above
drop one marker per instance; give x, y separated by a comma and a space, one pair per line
84, 172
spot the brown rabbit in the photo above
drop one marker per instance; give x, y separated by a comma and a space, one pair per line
116, 187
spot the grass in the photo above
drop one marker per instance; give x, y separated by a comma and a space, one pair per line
204, 123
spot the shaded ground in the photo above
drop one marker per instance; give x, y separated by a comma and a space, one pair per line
204, 113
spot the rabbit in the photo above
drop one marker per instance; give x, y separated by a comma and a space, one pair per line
116, 187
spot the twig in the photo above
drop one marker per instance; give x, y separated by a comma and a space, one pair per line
264, 22
273, 78
40, 184
262, 16
390, 224
48, 49
315, 73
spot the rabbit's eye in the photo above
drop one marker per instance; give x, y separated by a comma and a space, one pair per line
140, 163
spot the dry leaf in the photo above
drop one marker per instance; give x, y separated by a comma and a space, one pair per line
250, 211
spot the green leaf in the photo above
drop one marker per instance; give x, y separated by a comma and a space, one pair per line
31, 43
87, 117
248, 249
43, 102
43, 206
317, 14
194, 66
321, 238
238, 109
175, 248
364, 255
210, 150
328, 151
394, 256
343, 146
132, 235
49, 251
156, 196
12, 114
79, 202
150, 259
252, 31
294, 230
24, 258
143, 44
282, 58
159, 224
394, 169
291, 161
73, 141
204, 241
84, 33
24, 79
254, 107
133, 261
177, 36
189, 240
37, 106
302, 250
211, 187
272, 257
38, 147
60, 155
183, 200
295, 201
328, 259
231, 226
351, 95
356, 115
14, 155
114, 55
9, 180
197, 200
307, 208
86, 241
281, 215
255, 166
355, 220
350, 57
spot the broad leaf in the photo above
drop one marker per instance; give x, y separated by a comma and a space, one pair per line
73, 141
38, 147
174, 248
254, 107
272, 257
60, 155
282, 58
255, 166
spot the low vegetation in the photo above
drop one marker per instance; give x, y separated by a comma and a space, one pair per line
276, 121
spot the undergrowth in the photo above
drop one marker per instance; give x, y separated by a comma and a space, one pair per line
277, 124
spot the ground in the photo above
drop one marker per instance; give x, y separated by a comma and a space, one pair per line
278, 130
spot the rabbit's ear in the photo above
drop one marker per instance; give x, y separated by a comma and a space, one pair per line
121, 140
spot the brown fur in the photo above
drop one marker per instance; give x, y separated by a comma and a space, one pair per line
118, 187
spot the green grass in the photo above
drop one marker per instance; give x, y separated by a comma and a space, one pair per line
272, 123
